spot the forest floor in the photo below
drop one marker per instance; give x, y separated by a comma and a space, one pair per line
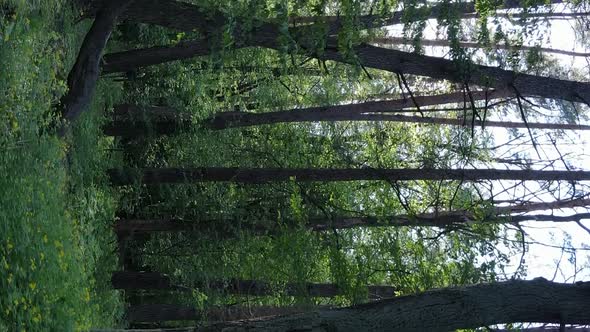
57, 249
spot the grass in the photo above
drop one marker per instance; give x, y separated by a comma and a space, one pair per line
56, 208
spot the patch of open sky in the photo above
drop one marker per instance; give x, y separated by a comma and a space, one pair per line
556, 251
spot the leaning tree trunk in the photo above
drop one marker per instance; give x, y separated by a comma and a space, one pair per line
266, 35
196, 329
84, 74
445, 309
379, 58
183, 16
125, 176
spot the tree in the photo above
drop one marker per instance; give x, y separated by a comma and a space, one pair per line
154, 280
444, 309
245, 175
243, 119
167, 121
82, 78
267, 34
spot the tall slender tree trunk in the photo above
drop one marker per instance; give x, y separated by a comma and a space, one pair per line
442, 219
466, 44
261, 288
140, 280
154, 280
224, 120
244, 119
130, 120
124, 176
444, 309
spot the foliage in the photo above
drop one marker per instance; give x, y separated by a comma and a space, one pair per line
55, 244
56, 240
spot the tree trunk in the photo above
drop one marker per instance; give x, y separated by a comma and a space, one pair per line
443, 219
389, 60
244, 119
196, 329
224, 120
134, 121
445, 309
130, 120
261, 288
465, 44
163, 329
352, 112
187, 17
82, 78
126, 128
125, 176
140, 280
492, 77
266, 35
155, 280
161, 313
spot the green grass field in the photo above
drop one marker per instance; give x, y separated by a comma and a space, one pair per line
56, 210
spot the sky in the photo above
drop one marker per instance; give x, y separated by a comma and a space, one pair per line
550, 262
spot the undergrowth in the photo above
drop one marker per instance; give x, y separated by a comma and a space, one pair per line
56, 209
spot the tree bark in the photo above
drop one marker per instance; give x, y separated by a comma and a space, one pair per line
466, 44
395, 61
492, 77
196, 329
155, 280
140, 280
82, 78
130, 120
161, 313
186, 17
445, 309
224, 120
245, 119
385, 59
261, 288
442, 219
125, 176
